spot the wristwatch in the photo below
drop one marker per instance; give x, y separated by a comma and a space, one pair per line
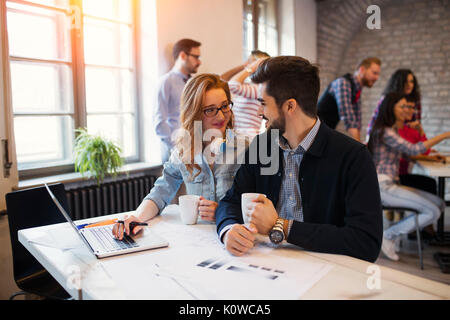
276, 235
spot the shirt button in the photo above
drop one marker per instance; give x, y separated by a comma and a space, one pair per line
290, 198
290, 175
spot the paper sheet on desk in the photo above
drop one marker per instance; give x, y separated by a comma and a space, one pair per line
137, 277
63, 238
213, 274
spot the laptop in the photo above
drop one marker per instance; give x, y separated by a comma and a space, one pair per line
101, 242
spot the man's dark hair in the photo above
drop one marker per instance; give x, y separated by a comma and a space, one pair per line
184, 45
290, 77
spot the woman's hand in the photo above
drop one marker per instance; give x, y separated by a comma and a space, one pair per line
437, 157
207, 209
416, 125
119, 228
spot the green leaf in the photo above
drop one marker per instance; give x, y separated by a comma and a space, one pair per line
96, 155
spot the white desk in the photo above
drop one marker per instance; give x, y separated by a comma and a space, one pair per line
347, 279
441, 171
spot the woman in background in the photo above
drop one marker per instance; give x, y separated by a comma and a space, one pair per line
402, 81
387, 147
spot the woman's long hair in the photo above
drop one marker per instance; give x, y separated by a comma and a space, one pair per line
385, 118
192, 102
397, 83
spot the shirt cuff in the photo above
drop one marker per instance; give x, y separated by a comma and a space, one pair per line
289, 228
159, 203
224, 230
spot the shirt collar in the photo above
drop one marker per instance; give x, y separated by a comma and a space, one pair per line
305, 144
180, 74
357, 84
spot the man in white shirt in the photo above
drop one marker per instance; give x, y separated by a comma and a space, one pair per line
166, 117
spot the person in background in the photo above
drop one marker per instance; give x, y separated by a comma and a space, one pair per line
247, 108
341, 99
401, 81
205, 110
387, 147
166, 115
413, 132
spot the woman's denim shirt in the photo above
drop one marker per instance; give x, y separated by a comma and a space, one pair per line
211, 184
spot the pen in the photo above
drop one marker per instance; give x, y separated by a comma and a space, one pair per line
134, 223
101, 223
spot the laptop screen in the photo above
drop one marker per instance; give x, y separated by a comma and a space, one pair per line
61, 209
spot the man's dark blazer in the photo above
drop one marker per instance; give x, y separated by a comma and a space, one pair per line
340, 195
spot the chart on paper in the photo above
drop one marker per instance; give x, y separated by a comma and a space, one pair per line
243, 268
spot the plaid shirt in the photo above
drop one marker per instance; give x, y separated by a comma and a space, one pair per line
290, 202
416, 116
387, 154
348, 112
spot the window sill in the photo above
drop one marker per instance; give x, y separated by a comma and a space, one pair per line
77, 179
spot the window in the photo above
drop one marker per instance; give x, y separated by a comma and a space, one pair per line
73, 64
260, 26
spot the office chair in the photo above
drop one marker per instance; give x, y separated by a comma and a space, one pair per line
419, 239
27, 209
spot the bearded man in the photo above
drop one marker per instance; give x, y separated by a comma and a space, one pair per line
341, 99
324, 195
166, 115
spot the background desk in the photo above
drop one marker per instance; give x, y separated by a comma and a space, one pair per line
441, 171
346, 280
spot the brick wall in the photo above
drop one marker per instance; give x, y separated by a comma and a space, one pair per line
414, 34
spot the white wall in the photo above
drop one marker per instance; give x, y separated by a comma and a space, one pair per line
306, 29
297, 28
286, 27
217, 24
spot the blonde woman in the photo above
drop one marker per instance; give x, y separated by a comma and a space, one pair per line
205, 114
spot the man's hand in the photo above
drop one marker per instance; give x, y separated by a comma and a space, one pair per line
239, 240
262, 214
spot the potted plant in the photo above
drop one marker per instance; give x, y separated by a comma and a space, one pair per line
96, 155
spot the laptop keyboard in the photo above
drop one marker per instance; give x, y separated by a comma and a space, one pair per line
109, 243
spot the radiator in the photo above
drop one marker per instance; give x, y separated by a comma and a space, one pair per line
108, 198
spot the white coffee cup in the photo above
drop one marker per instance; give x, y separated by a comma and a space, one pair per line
246, 200
188, 205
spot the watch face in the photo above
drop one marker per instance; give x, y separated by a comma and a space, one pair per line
276, 236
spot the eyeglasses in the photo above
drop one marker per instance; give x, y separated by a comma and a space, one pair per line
213, 111
197, 57
405, 106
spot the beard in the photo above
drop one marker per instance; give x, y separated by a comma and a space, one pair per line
192, 68
279, 123
367, 83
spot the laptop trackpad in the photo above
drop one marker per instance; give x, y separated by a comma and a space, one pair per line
146, 237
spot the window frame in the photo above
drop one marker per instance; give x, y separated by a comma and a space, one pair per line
78, 91
255, 11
